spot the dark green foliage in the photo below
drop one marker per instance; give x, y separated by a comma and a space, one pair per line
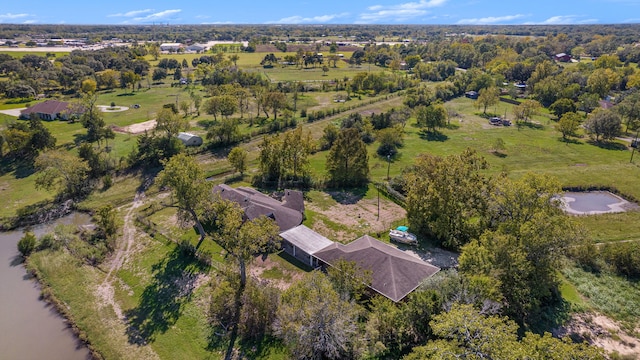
623, 258
447, 197
348, 161
27, 244
152, 150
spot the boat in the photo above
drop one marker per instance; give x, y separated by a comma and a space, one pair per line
403, 236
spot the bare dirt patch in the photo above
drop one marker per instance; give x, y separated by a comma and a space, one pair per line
262, 264
355, 216
138, 128
603, 332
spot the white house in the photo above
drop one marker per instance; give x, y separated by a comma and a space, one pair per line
189, 139
170, 46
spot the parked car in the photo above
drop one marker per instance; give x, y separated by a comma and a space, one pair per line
495, 121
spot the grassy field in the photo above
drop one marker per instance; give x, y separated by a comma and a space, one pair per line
21, 54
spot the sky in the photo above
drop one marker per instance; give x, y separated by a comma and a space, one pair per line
468, 12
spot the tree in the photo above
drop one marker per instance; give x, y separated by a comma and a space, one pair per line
629, 108
349, 280
154, 50
562, 106
92, 119
185, 107
604, 124
107, 79
88, 86
315, 322
487, 97
465, 333
446, 197
170, 123
269, 60
105, 219
431, 117
568, 124
224, 132
275, 100
242, 239
189, 188
390, 139
348, 161
526, 110
129, 78
601, 81
159, 74
27, 244
498, 146
528, 236
62, 171
238, 159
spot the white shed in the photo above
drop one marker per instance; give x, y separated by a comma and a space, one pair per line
189, 139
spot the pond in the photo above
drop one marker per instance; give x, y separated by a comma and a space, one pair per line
30, 328
593, 202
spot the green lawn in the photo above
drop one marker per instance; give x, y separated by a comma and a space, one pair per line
26, 51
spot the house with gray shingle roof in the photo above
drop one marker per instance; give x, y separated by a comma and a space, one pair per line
394, 273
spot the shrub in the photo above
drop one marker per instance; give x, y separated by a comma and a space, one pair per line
49, 241
27, 244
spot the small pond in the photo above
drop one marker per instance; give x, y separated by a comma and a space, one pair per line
30, 328
593, 202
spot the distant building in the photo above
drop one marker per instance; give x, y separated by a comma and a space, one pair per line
196, 48
562, 57
189, 139
170, 46
52, 110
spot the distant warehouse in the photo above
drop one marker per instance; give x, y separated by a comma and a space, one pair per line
189, 139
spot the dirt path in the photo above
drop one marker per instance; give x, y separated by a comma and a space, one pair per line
601, 331
106, 290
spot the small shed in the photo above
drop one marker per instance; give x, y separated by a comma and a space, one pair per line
302, 243
189, 139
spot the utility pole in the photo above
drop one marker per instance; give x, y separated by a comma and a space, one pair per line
388, 166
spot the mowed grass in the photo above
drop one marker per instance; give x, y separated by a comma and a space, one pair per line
22, 53
537, 148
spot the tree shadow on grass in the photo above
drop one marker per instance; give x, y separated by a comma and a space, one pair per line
608, 145
433, 136
570, 141
528, 124
126, 94
348, 196
163, 300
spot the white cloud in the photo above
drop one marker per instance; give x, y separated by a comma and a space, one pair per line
158, 16
10, 16
131, 13
400, 12
30, 21
321, 19
564, 20
490, 20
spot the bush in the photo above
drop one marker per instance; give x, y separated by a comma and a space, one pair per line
27, 244
49, 241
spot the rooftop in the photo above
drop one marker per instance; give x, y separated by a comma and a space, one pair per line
394, 273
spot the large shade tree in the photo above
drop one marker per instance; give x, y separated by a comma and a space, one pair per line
348, 161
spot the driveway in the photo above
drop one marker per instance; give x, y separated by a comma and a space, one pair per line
12, 112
